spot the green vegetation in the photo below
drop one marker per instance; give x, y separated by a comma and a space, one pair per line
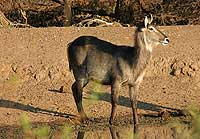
41, 132
130, 135
94, 95
26, 126
191, 131
14, 79
67, 130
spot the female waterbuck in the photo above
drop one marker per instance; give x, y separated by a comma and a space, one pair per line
93, 59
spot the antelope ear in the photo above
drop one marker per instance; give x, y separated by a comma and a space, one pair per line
151, 19
145, 21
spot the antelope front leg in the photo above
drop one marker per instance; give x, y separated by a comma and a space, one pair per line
115, 87
133, 99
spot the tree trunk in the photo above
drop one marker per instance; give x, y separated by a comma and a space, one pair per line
67, 13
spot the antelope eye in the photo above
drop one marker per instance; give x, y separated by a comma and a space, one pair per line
150, 28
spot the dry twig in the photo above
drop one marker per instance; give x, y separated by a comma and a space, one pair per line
4, 22
100, 22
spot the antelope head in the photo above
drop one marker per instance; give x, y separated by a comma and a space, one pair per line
151, 35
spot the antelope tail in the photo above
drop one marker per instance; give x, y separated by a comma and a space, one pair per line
69, 55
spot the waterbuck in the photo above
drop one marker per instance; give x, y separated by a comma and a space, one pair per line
93, 59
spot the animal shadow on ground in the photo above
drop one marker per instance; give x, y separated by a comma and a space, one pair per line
16, 105
125, 101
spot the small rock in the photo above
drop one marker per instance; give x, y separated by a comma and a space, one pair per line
61, 89
14, 67
194, 67
164, 114
40, 75
29, 70
185, 70
54, 74
177, 72
182, 112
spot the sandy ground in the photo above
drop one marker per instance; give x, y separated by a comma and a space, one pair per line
33, 67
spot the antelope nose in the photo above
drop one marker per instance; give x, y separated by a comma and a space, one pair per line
166, 40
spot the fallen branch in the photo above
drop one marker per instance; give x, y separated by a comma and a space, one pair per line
99, 21
20, 25
23, 13
89, 22
4, 22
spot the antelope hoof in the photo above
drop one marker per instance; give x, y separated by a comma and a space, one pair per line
84, 119
85, 122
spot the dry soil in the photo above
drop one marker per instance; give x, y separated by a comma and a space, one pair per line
33, 67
